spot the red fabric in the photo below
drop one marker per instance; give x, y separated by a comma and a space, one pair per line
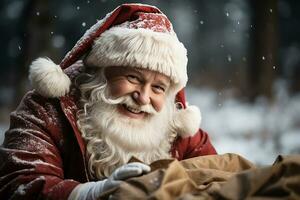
40, 157
151, 21
43, 154
180, 97
197, 145
119, 15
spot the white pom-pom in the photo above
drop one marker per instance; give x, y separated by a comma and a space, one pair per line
48, 78
187, 121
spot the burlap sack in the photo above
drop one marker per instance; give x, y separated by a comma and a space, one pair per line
227, 176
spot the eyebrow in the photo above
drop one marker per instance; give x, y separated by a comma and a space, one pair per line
137, 71
160, 82
163, 83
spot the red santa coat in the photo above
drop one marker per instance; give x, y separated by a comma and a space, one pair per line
43, 154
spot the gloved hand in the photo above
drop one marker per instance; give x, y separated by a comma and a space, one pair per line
92, 190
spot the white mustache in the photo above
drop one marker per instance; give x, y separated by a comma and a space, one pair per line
129, 102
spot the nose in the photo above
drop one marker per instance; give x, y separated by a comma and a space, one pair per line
142, 96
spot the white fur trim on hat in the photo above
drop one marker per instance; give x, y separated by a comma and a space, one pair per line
142, 48
48, 78
187, 121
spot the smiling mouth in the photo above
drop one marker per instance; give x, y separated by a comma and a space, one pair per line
132, 110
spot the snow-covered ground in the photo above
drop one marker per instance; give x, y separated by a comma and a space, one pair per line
258, 131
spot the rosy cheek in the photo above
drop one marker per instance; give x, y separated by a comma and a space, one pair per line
158, 104
119, 89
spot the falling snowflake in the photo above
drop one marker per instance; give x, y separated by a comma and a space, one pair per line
58, 41
19, 47
201, 22
271, 10
38, 13
83, 24
78, 8
227, 14
274, 67
263, 58
229, 58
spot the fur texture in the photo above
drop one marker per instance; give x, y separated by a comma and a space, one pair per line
141, 48
48, 78
187, 121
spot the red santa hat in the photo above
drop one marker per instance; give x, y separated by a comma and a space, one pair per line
133, 35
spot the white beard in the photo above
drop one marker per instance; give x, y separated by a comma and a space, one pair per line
113, 138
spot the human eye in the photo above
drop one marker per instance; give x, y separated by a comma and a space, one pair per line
159, 89
133, 78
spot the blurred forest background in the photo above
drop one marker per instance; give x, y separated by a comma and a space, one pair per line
244, 62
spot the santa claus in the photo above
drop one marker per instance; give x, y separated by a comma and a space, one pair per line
72, 136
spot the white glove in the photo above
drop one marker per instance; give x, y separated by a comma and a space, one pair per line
92, 190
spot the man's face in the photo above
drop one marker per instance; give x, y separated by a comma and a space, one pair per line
145, 87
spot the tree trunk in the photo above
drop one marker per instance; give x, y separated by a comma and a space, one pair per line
35, 33
263, 48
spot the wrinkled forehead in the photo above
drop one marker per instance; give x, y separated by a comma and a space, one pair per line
121, 70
